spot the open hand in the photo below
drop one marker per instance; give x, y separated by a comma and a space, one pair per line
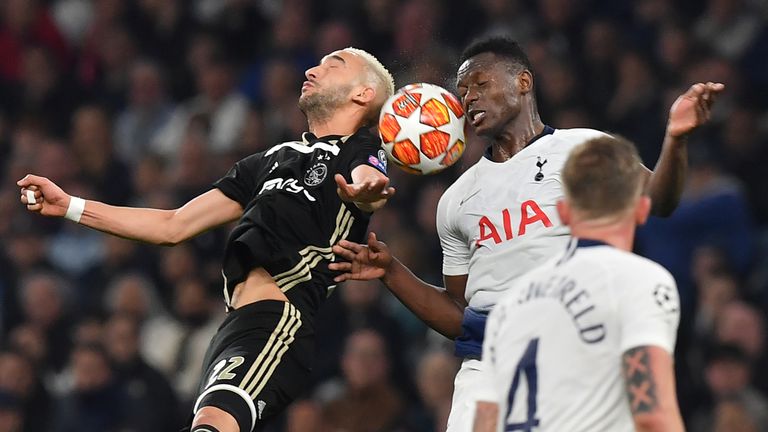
371, 189
693, 108
50, 200
363, 262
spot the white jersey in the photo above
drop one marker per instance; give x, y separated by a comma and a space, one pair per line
553, 346
499, 220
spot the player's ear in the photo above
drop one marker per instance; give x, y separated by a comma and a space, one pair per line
525, 81
564, 211
364, 95
642, 209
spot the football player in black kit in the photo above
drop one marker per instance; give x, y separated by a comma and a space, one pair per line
292, 203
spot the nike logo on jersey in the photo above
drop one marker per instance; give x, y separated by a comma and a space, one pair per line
466, 198
274, 167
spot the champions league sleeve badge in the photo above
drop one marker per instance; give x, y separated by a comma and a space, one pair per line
379, 162
666, 298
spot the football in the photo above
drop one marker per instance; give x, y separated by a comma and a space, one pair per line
422, 128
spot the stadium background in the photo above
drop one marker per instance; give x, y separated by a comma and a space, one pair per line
145, 102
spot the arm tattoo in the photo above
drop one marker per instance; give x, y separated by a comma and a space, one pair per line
641, 388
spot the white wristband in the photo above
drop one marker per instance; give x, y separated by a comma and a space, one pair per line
75, 209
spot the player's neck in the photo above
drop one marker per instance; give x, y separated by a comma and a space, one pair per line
516, 137
619, 234
342, 122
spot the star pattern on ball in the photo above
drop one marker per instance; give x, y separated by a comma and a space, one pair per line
411, 126
427, 139
455, 128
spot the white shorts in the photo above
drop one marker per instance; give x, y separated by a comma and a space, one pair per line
467, 387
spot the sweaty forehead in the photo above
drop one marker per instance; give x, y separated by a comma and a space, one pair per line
345, 57
483, 63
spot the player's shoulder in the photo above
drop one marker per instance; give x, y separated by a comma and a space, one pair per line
362, 135
461, 186
576, 136
631, 267
643, 285
251, 160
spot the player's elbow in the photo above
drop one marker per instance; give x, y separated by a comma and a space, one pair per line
174, 230
657, 422
450, 328
172, 237
453, 331
167, 243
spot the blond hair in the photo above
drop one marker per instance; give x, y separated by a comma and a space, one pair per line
378, 75
604, 176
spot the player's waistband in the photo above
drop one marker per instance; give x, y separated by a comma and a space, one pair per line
470, 343
263, 312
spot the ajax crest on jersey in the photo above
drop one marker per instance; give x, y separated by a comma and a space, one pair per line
422, 128
315, 175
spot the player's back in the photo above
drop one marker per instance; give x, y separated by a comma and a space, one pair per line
556, 339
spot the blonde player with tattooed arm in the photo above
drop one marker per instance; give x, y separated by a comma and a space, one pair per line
498, 220
584, 343
292, 203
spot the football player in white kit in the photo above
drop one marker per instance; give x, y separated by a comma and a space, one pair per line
584, 342
498, 220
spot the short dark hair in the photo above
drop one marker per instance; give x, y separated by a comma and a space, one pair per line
603, 176
499, 45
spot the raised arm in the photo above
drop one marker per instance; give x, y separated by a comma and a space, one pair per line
441, 309
691, 110
650, 383
162, 227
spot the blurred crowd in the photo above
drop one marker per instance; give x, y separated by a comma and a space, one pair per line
146, 102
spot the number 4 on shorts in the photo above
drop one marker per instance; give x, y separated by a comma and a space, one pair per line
527, 367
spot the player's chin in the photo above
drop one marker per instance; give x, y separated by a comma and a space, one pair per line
485, 127
485, 130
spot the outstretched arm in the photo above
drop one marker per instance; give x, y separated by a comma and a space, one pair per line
369, 190
691, 110
162, 227
441, 309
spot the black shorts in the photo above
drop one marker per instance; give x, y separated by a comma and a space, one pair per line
258, 363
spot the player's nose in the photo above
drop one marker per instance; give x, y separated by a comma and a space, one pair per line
311, 73
469, 98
